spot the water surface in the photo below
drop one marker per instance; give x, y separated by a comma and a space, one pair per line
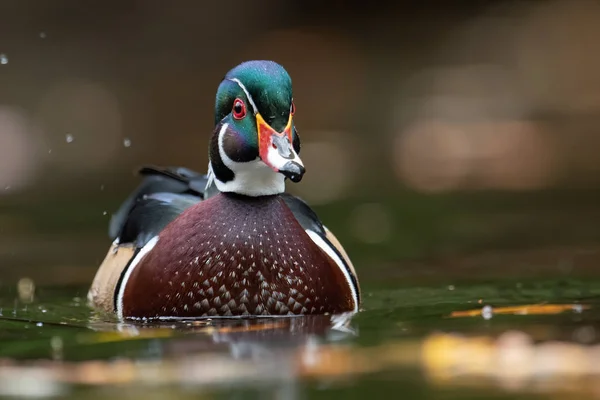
409, 339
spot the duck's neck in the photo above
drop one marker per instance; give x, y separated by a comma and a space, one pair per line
253, 178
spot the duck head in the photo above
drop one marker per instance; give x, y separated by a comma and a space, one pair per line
255, 145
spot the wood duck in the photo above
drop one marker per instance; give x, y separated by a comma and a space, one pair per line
229, 243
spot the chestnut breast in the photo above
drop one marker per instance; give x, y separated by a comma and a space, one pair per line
235, 255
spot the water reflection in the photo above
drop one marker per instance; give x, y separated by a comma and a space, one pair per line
434, 334
241, 337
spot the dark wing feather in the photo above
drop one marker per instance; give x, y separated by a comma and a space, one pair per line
163, 194
307, 218
151, 214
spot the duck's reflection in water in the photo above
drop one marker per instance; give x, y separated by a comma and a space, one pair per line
276, 352
190, 336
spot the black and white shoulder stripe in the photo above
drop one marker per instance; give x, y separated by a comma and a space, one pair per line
318, 233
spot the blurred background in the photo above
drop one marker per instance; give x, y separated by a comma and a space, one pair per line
442, 134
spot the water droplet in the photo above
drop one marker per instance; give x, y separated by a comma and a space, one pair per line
3, 59
42, 35
127, 142
104, 213
56, 343
487, 312
26, 289
44, 310
69, 138
39, 324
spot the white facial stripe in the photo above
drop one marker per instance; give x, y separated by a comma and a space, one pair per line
145, 250
333, 255
224, 157
241, 85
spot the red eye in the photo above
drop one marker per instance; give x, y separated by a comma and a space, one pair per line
293, 108
239, 109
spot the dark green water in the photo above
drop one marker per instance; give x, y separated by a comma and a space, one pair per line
52, 339
441, 257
